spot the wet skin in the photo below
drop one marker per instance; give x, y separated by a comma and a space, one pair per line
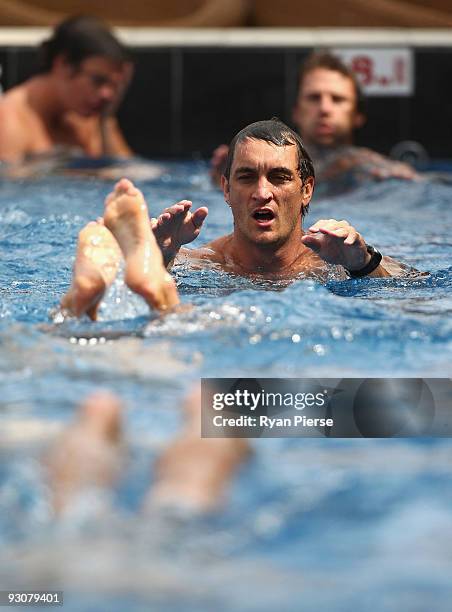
267, 196
125, 229
126, 216
96, 264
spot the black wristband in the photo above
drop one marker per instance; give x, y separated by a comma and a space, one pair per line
375, 259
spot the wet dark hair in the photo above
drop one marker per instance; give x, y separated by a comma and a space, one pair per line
278, 133
78, 38
328, 61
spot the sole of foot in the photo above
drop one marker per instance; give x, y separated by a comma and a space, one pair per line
126, 216
95, 268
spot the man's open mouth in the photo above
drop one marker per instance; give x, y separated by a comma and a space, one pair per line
264, 215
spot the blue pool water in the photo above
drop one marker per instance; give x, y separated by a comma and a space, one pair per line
310, 524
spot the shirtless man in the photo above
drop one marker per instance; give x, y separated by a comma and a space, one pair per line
85, 72
328, 110
268, 184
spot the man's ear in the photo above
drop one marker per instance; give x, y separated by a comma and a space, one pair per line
225, 188
359, 120
307, 190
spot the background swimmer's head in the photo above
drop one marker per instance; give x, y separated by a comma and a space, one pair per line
79, 38
278, 133
330, 104
89, 68
328, 61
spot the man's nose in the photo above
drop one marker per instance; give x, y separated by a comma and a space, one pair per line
262, 191
326, 104
107, 93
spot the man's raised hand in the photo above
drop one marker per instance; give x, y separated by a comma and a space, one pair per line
176, 226
337, 242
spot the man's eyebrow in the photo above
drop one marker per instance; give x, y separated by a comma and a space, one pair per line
244, 169
282, 170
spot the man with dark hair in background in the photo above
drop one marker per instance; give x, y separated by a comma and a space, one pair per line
70, 103
328, 110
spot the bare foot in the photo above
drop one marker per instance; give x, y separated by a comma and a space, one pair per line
193, 472
86, 454
95, 268
126, 216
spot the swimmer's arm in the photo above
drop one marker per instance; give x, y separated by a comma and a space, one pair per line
381, 272
381, 167
177, 226
113, 142
97, 136
365, 162
390, 267
14, 143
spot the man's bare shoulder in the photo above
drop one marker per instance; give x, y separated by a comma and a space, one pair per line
15, 118
213, 252
14, 102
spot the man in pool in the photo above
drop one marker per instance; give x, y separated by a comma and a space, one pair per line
268, 184
328, 110
71, 102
